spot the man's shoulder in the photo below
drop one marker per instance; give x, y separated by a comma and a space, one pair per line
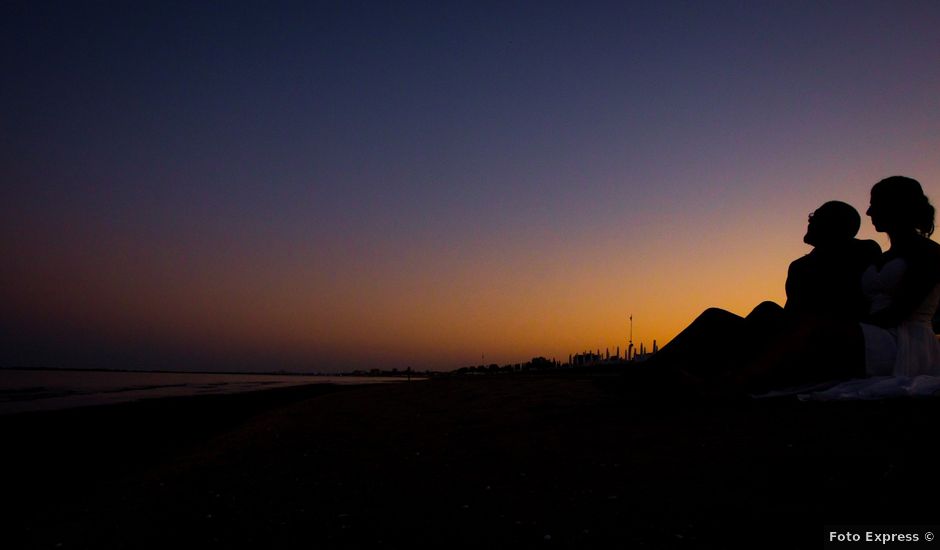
866, 247
855, 253
866, 244
805, 261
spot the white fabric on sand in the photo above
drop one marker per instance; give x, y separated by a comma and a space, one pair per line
879, 387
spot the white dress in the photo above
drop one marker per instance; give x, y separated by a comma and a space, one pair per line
909, 349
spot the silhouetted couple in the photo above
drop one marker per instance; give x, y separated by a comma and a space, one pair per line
851, 310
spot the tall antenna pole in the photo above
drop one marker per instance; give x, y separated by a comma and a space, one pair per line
630, 346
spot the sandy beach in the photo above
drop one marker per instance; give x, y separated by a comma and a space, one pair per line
531, 460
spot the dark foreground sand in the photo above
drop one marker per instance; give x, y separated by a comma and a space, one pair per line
553, 460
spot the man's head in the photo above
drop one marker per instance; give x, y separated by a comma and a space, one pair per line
833, 222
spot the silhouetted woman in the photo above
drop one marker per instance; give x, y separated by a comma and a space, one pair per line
904, 284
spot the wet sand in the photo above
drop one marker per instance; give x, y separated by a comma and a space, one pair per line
540, 460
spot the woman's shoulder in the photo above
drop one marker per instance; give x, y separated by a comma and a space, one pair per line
924, 256
933, 253
932, 245
925, 248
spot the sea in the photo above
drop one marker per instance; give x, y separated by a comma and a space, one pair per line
42, 390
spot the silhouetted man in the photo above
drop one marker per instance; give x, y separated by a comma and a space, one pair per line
822, 285
826, 282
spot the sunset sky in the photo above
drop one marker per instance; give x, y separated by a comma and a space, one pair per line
339, 185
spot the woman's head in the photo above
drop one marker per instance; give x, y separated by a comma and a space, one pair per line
898, 205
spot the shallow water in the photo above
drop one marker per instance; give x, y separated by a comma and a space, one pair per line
34, 390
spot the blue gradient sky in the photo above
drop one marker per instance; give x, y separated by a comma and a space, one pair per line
340, 185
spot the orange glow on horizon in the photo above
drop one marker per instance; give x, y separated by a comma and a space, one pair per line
438, 308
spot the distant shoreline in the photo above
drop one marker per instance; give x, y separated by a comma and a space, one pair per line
26, 390
236, 373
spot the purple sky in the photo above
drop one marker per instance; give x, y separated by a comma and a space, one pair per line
349, 184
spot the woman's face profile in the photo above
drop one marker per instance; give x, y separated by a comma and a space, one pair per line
876, 212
